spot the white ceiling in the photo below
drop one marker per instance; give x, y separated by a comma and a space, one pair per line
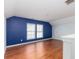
39, 9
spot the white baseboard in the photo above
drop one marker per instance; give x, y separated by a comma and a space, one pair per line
27, 43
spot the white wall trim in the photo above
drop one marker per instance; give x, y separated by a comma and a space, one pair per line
27, 43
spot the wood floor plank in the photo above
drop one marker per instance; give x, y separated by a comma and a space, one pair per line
50, 49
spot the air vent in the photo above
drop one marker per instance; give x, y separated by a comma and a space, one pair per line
69, 1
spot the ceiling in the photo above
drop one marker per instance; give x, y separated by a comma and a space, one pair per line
39, 9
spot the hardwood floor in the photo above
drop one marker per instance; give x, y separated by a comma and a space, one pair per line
50, 49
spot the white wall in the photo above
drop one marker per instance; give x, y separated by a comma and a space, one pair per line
63, 28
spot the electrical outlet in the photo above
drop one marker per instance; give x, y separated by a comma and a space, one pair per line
21, 40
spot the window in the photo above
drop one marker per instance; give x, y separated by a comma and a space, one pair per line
30, 31
34, 31
39, 31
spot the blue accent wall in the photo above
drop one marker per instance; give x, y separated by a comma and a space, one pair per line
16, 30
